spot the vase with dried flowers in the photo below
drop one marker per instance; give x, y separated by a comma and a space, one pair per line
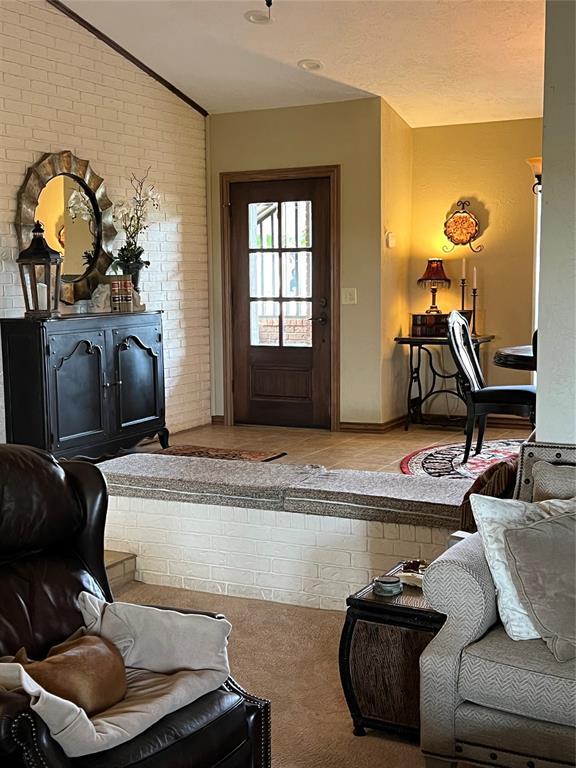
132, 216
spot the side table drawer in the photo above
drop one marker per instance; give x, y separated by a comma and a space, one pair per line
384, 671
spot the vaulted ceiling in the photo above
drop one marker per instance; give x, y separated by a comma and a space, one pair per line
436, 62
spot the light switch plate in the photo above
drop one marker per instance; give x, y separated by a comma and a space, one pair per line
349, 296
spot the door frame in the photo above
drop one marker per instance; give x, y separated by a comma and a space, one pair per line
332, 173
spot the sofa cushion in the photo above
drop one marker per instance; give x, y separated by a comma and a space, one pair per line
542, 564
519, 677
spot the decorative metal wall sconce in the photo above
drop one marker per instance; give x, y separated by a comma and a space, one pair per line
535, 164
462, 228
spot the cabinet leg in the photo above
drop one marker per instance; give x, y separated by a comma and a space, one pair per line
359, 730
164, 437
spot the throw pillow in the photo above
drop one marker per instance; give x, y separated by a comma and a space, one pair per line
497, 480
493, 517
553, 481
542, 560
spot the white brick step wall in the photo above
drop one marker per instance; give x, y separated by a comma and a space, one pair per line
282, 556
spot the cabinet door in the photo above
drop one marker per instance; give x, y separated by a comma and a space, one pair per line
139, 373
78, 392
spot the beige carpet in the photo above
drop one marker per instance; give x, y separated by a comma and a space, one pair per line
289, 655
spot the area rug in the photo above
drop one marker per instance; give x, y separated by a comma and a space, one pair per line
446, 460
234, 454
289, 654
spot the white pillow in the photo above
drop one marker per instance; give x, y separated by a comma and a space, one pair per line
493, 517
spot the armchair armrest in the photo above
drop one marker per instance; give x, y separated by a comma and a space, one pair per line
24, 737
458, 584
211, 614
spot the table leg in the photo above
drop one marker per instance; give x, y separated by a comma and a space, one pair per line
414, 404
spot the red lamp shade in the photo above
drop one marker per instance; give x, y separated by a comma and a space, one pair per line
434, 276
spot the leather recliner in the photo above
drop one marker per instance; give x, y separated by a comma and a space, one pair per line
52, 519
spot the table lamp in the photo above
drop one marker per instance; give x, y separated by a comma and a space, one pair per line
434, 277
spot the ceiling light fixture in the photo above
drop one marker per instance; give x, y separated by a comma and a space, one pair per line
257, 17
260, 17
310, 65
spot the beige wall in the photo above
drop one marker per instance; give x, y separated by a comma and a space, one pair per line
402, 181
556, 407
61, 88
396, 139
486, 164
345, 134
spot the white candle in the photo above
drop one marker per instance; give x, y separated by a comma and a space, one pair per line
463, 269
474, 281
42, 290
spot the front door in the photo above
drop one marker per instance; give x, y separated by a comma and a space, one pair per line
280, 275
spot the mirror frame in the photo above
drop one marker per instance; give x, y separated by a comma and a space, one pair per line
38, 175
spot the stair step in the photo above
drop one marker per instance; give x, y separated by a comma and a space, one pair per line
120, 567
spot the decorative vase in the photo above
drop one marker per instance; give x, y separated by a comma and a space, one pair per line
133, 270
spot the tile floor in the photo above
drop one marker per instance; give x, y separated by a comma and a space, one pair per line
334, 450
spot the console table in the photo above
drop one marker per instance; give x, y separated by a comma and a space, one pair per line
419, 348
380, 648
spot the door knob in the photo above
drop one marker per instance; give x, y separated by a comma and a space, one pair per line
322, 319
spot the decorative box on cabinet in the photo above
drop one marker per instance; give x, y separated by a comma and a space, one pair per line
84, 385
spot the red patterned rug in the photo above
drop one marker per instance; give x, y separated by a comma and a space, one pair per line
234, 454
446, 460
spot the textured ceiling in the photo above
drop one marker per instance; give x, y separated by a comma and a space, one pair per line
436, 62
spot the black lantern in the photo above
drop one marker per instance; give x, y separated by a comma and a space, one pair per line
40, 269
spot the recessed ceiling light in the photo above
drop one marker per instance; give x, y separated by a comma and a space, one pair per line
257, 17
310, 65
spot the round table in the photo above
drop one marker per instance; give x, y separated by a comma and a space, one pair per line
519, 358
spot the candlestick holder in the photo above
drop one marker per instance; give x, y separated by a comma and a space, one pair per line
474, 298
463, 285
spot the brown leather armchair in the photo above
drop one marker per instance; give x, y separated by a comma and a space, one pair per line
52, 520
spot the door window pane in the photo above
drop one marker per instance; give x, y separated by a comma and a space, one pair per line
297, 274
265, 323
263, 225
296, 326
297, 224
264, 274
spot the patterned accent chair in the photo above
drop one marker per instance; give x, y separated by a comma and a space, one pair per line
487, 699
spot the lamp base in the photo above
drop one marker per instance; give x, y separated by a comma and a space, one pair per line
433, 309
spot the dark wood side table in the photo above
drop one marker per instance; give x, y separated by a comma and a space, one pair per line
380, 648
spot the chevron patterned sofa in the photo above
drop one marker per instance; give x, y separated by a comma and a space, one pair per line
487, 699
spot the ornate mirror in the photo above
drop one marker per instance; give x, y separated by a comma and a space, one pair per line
70, 200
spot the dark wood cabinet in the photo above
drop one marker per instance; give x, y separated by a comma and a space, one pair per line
380, 648
84, 385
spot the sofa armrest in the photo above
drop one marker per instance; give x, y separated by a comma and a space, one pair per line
458, 584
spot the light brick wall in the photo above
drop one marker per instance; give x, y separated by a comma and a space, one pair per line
61, 88
287, 557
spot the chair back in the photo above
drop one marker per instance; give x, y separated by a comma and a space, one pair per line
51, 547
462, 349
